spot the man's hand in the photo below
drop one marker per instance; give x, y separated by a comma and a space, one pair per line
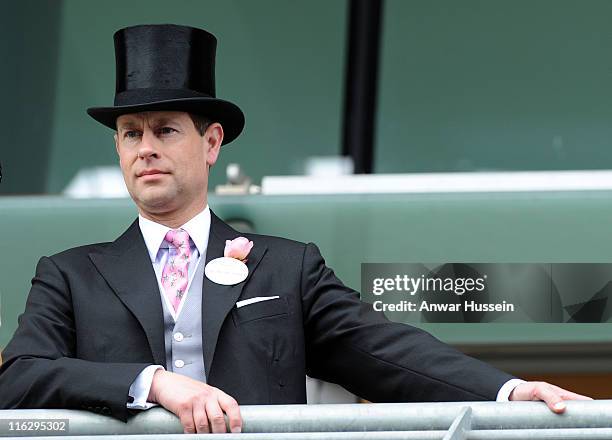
552, 395
199, 406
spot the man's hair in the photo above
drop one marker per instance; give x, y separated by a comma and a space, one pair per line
200, 122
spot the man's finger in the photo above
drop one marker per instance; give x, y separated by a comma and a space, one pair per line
231, 408
215, 415
550, 396
186, 416
201, 418
569, 395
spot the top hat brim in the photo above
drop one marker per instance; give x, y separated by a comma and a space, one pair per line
227, 114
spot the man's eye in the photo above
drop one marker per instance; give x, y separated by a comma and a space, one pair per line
166, 130
131, 134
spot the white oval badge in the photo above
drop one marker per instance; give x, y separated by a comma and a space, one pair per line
226, 271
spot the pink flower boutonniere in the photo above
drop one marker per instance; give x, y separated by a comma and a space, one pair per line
230, 269
238, 248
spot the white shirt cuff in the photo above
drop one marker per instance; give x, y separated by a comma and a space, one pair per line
504, 392
139, 390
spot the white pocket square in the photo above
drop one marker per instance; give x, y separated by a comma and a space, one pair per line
246, 302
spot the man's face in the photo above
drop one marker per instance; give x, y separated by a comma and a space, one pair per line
165, 161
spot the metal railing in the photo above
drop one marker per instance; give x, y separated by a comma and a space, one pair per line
452, 421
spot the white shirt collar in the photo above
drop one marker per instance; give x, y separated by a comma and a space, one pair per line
198, 229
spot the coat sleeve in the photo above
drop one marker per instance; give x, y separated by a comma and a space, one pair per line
40, 368
349, 343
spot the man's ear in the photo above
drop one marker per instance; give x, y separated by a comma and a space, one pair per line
213, 137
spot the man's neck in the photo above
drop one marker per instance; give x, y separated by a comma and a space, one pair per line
173, 219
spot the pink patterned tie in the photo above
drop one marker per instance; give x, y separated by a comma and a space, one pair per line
174, 275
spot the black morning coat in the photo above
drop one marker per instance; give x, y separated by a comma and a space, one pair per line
93, 321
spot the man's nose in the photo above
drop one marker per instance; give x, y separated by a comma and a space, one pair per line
148, 146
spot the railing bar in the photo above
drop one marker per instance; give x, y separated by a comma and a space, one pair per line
460, 428
378, 435
543, 434
494, 434
342, 418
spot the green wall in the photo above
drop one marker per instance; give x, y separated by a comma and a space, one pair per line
469, 85
495, 85
29, 47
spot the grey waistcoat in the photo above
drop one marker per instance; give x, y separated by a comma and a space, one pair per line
183, 339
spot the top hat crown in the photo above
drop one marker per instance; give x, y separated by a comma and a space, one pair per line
168, 67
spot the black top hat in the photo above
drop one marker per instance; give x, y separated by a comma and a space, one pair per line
168, 67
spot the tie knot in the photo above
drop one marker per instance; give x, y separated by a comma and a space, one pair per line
178, 238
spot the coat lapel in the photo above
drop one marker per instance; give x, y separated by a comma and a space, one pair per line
126, 267
218, 300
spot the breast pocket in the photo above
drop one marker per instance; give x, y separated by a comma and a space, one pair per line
260, 310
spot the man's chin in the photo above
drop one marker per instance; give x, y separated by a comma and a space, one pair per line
157, 203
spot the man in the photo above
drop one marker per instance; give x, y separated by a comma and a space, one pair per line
154, 318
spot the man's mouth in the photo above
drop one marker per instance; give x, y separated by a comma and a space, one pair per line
151, 172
